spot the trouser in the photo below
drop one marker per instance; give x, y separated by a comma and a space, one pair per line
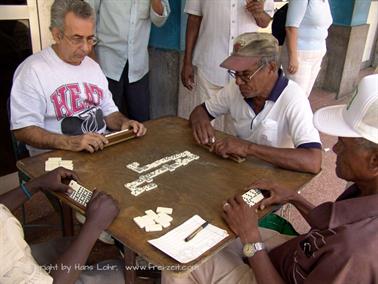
202, 91
227, 266
309, 63
132, 99
108, 271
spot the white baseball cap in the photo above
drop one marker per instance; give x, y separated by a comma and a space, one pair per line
357, 119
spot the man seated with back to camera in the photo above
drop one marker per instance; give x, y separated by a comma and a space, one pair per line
342, 242
64, 258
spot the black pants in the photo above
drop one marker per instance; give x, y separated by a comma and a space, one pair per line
132, 99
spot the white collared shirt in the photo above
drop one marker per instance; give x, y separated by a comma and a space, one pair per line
123, 28
285, 123
222, 22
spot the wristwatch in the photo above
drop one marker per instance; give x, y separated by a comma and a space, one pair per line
250, 249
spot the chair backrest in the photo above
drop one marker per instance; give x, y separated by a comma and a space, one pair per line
19, 148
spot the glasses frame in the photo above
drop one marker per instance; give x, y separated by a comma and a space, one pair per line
92, 41
244, 78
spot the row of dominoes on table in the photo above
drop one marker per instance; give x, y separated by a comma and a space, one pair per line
170, 163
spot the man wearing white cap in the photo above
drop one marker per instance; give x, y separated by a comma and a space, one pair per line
271, 114
342, 243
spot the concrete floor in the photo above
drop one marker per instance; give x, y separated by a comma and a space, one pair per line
325, 187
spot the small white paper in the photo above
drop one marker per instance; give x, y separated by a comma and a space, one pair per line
173, 243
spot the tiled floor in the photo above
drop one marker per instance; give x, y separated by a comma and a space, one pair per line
325, 187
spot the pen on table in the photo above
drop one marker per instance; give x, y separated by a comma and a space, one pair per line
196, 231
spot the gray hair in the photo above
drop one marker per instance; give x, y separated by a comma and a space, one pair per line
264, 60
60, 8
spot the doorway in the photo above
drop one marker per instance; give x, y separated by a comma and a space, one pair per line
19, 37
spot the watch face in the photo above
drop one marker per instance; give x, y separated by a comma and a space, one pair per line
248, 250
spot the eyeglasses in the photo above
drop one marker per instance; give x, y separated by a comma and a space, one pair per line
79, 40
244, 78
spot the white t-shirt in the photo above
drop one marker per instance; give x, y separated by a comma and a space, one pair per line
222, 22
284, 123
17, 264
59, 97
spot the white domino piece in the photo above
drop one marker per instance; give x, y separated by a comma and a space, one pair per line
51, 166
137, 191
54, 159
66, 164
165, 210
74, 185
165, 217
151, 213
154, 228
139, 222
147, 220
252, 197
163, 223
150, 186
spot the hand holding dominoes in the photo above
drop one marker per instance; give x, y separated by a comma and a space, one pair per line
102, 209
231, 147
277, 195
252, 197
241, 217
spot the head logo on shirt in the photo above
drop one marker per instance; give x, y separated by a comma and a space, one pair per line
71, 99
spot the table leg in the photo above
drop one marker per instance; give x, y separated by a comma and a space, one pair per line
130, 273
67, 221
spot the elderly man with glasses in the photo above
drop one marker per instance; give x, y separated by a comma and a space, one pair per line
60, 97
271, 114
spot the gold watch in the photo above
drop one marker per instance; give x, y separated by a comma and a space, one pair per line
250, 249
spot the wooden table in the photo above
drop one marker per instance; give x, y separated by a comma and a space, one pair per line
200, 188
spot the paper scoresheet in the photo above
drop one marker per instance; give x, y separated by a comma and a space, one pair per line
173, 243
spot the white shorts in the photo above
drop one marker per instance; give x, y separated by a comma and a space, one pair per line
309, 63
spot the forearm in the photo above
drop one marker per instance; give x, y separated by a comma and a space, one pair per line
76, 255
304, 160
199, 114
192, 30
291, 41
157, 6
115, 120
303, 206
41, 138
16, 197
260, 263
262, 19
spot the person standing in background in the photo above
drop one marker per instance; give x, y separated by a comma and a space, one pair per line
307, 26
211, 29
123, 29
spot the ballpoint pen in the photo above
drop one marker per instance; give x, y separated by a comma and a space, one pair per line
196, 231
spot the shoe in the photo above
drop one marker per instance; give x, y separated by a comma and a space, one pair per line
104, 236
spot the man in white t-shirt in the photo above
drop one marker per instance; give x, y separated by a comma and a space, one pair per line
271, 114
60, 97
211, 29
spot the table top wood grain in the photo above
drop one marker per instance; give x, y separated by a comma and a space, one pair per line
200, 187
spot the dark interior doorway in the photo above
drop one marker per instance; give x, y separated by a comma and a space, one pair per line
15, 46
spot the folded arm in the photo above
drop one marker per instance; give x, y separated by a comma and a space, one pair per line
43, 139
298, 159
